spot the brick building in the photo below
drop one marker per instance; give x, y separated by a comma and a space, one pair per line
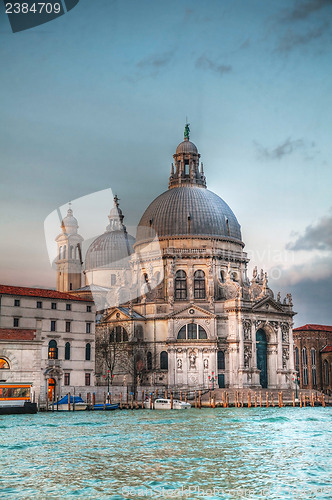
313, 356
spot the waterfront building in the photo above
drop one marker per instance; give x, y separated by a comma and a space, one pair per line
313, 356
46, 338
178, 307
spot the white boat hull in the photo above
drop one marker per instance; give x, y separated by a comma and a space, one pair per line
166, 404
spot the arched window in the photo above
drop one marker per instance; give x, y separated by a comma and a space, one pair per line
192, 331
180, 285
67, 350
71, 252
60, 253
313, 367
119, 334
52, 350
64, 252
163, 360
222, 276
149, 360
326, 373
87, 352
199, 285
4, 365
297, 359
305, 366
221, 360
139, 332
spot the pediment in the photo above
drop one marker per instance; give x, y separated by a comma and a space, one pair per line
267, 304
192, 311
122, 314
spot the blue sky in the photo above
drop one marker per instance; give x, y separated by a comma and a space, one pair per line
98, 99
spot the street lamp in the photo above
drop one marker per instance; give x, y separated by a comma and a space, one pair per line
213, 379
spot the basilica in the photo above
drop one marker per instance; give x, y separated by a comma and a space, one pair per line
176, 307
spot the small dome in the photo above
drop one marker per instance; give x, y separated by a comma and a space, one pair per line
109, 251
186, 147
69, 223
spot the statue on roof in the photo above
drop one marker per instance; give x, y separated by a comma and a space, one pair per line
187, 131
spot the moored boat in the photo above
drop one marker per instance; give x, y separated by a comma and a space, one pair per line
166, 404
16, 399
76, 403
106, 407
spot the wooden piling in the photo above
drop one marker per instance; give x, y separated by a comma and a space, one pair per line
142, 400
300, 398
304, 400
255, 399
267, 400
57, 403
104, 400
293, 398
180, 395
131, 401
199, 399
195, 399
214, 400
165, 394
323, 401
260, 398
185, 397
74, 400
151, 405
120, 400
241, 399
171, 400
249, 399
68, 401
227, 400
93, 398
210, 399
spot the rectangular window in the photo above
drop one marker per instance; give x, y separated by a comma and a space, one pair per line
88, 328
68, 307
87, 379
67, 379
39, 305
53, 305
88, 309
67, 326
53, 325
16, 322
17, 302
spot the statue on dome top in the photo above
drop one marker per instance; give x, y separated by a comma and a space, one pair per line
187, 131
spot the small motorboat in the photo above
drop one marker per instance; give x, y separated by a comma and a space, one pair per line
166, 404
104, 407
76, 404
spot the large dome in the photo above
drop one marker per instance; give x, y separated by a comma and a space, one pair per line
109, 251
188, 211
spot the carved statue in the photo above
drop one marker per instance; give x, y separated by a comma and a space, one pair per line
262, 275
206, 364
187, 131
247, 329
254, 273
278, 297
247, 356
192, 360
289, 297
179, 363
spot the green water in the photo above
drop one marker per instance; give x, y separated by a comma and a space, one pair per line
227, 453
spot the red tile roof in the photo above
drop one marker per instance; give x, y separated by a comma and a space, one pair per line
17, 334
39, 292
313, 328
327, 348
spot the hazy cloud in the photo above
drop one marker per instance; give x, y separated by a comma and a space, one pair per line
315, 237
291, 39
156, 61
302, 10
286, 148
206, 63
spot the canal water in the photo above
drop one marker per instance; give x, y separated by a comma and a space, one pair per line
224, 453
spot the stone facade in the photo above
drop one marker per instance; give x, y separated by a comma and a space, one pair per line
192, 317
44, 337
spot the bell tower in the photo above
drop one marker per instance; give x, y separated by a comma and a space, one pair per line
186, 170
69, 256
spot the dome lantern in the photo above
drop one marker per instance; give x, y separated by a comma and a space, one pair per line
185, 171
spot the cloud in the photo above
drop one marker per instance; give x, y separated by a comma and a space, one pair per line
291, 39
284, 149
206, 63
156, 61
302, 10
316, 237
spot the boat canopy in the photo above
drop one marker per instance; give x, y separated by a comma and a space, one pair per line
64, 400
